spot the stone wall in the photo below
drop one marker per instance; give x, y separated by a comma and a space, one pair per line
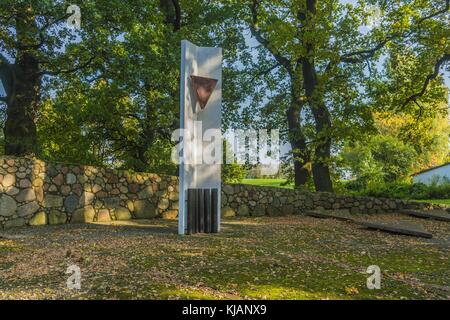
247, 200
33, 192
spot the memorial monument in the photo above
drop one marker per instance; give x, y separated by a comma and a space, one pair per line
200, 122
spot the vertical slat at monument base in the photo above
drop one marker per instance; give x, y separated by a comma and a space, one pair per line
190, 211
207, 198
202, 211
214, 210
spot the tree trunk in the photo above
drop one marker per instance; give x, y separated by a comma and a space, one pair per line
24, 92
321, 171
320, 168
297, 139
20, 127
146, 140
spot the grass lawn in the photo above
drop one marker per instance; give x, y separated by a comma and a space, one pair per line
436, 201
293, 257
268, 183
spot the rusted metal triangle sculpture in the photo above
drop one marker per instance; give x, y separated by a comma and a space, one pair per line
203, 88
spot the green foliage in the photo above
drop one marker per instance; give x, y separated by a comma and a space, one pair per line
404, 190
120, 103
382, 159
233, 173
404, 145
110, 95
360, 69
427, 134
158, 159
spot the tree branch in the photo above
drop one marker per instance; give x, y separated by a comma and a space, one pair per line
7, 18
177, 20
264, 72
257, 34
445, 58
48, 24
22, 46
41, 31
361, 55
55, 73
444, 10
172, 12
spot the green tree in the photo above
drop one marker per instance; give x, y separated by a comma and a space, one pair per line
35, 43
124, 108
428, 135
330, 66
114, 83
381, 159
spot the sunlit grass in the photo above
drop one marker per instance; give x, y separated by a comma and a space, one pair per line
268, 183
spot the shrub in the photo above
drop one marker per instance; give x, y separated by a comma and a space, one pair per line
404, 190
233, 173
380, 160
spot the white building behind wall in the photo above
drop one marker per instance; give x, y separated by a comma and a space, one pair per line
437, 174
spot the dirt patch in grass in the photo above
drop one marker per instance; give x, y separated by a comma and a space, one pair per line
293, 257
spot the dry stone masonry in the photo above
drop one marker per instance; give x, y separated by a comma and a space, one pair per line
248, 200
33, 192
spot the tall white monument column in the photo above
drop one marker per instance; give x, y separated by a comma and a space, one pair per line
200, 117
